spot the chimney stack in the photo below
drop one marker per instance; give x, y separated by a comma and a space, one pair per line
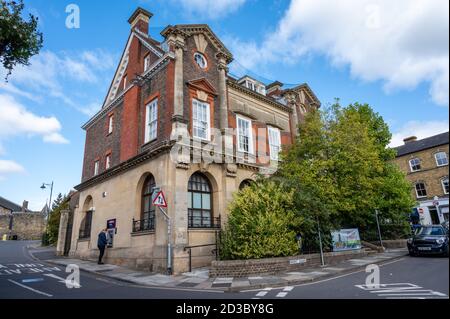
140, 19
25, 206
410, 139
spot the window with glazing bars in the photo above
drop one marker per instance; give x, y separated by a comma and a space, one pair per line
199, 202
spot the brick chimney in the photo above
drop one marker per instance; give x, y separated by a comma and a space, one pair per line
410, 139
139, 19
25, 206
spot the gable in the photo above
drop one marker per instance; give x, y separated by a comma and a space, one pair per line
203, 85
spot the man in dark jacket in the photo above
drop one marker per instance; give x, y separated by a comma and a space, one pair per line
101, 244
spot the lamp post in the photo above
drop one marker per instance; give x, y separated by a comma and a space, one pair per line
44, 186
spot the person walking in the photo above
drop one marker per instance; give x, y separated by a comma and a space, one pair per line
101, 244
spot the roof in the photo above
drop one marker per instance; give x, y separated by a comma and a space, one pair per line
422, 144
10, 205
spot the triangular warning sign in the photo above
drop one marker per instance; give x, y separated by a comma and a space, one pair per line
160, 200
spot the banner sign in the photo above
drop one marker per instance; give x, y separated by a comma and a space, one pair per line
346, 239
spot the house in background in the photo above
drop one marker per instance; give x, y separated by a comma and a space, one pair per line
19, 222
167, 97
425, 163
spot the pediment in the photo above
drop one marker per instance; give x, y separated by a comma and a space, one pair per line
203, 85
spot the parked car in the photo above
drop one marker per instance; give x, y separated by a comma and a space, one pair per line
429, 240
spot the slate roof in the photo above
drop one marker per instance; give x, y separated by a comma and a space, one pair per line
9, 205
422, 144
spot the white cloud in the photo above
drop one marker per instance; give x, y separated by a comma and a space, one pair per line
90, 109
420, 129
8, 167
402, 42
212, 9
48, 71
16, 120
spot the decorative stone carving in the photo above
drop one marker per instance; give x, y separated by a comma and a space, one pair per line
231, 170
202, 95
200, 42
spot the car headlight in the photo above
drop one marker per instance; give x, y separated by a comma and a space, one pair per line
440, 241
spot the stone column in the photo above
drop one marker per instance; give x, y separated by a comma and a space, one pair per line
178, 79
63, 223
290, 99
223, 99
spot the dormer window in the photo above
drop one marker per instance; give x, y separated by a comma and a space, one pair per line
250, 85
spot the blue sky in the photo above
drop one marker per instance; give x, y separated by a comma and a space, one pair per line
392, 56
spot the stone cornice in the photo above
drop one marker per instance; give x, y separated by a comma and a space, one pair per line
122, 167
258, 96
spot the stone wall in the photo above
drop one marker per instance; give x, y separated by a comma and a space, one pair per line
269, 266
27, 226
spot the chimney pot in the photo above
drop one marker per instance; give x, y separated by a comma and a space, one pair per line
410, 139
25, 206
140, 19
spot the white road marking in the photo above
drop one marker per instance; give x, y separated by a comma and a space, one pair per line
401, 290
281, 294
261, 293
62, 280
29, 288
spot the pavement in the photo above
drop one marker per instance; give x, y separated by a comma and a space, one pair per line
199, 279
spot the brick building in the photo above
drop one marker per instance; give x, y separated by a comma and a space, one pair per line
174, 119
425, 163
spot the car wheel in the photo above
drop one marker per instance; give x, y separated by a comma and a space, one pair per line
412, 254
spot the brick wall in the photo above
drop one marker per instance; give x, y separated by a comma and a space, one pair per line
27, 226
4, 211
242, 268
430, 173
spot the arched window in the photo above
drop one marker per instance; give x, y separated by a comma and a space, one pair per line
245, 183
86, 222
147, 221
199, 202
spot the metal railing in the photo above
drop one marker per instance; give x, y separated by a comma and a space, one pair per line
143, 225
204, 222
214, 251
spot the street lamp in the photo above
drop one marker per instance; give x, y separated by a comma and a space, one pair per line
44, 186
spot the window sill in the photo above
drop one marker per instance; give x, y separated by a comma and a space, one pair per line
142, 233
205, 229
84, 239
442, 165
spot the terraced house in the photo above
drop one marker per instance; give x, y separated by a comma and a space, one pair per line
165, 98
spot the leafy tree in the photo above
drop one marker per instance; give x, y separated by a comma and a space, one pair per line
262, 223
19, 39
60, 203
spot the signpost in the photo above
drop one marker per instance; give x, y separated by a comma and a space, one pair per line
160, 201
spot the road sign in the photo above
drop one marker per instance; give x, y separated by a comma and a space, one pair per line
436, 203
160, 200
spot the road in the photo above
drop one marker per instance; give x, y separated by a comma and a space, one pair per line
22, 277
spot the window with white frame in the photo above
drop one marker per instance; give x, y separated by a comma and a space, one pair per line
108, 161
245, 138
250, 85
421, 190
96, 167
146, 62
444, 183
274, 142
200, 120
414, 164
110, 124
441, 158
151, 121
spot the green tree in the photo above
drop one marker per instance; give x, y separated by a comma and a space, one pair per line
262, 223
60, 203
19, 39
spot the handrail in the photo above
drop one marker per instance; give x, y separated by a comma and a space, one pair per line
215, 251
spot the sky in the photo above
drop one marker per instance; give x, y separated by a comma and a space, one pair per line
393, 55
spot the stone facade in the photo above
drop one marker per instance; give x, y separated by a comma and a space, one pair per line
176, 80
25, 225
431, 175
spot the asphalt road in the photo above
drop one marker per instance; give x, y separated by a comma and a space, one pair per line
22, 277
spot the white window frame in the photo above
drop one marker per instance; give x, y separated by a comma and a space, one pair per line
202, 56
411, 167
442, 183
446, 158
96, 167
108, 161
250, 85
425, 187
151, 121
124, 82
273, 156
250, 135
110, 124
147, 62
195, 104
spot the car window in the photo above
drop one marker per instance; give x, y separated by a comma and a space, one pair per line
430, 231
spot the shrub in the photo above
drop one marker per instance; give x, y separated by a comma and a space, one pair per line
262, 223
